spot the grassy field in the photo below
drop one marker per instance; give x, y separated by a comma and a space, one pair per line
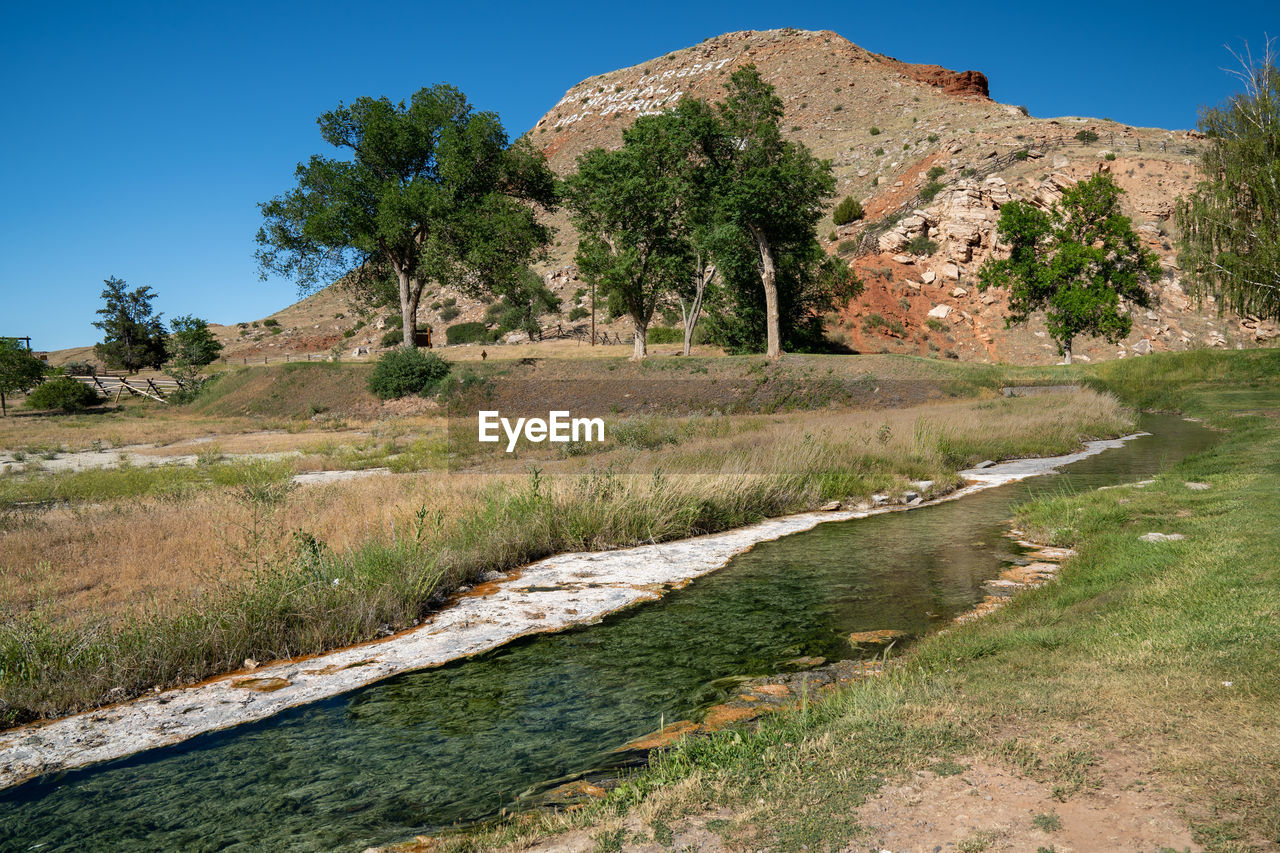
140, 577
1144, 664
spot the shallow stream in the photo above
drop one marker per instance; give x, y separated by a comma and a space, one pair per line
459, 742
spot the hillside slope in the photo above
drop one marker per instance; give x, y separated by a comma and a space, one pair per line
883, 124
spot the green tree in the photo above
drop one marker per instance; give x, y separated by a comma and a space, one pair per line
65, 393
190, 347
1081, 263
19, 370
432, 192
849, 210
524, 304
773, 190
132, 336
1230, 222
626, 206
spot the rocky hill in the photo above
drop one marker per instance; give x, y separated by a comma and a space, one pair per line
884, 124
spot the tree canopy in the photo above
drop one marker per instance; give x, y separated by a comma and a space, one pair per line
432, 192
1081, 263
1230, 222
707, 195
19, 370
774, 193
133, 336
626, 205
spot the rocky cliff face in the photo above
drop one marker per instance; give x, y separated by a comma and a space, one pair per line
884, 124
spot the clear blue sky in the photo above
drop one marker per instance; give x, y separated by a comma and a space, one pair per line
138, 138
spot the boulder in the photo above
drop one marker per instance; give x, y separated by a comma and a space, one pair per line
940, 312
929, 277
951, 271
1161, 537
905, 260
959, 292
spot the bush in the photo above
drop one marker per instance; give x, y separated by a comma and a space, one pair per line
450, 312
271, 322
664, 335
930, 190
846, 246
65, 393
874, 131
578, 313
922, 246
879, 152
935, 172
1088, 137
450, 302
849, 210
1111, 155
402, 372
467, 333
393, 338
1021, 155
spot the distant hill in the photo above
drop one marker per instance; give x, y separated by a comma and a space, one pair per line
883, 123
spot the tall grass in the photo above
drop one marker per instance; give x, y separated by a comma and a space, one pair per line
295, 594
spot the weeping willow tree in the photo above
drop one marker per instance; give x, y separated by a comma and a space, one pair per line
1230, 222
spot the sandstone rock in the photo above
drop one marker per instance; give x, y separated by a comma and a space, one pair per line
830, 506
929, 277
951, 271
893, 241
906, 260
940, 312
1060, 161
959, 292
1142, 347
1198, 487
881, 637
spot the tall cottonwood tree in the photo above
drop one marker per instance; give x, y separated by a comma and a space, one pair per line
19, 370
432, 192
772, 190
1081, 263
626, 206
1230, 222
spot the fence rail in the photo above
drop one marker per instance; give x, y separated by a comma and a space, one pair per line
869, 237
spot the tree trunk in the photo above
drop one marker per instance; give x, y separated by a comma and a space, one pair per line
690, 316
4, 409
1066, 352
641, 329
410, 291
769, 278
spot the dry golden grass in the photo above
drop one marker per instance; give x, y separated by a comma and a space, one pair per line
122, 556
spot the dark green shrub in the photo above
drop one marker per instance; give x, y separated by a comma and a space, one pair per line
450, 302
350, 333
1088, 137
849, 210
935, 172
450, 312
271, 322
1111, 155
664, 335
402, 372
1021, 155
578, 313
922, 245
879, 152
467, 333
930, 190
65, 393
846, 246
393, 338
873, 130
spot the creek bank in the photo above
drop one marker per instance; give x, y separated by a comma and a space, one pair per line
549, 595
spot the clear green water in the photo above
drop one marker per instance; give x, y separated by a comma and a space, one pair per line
459, 742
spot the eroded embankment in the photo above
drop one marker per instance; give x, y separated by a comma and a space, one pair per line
550, 595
